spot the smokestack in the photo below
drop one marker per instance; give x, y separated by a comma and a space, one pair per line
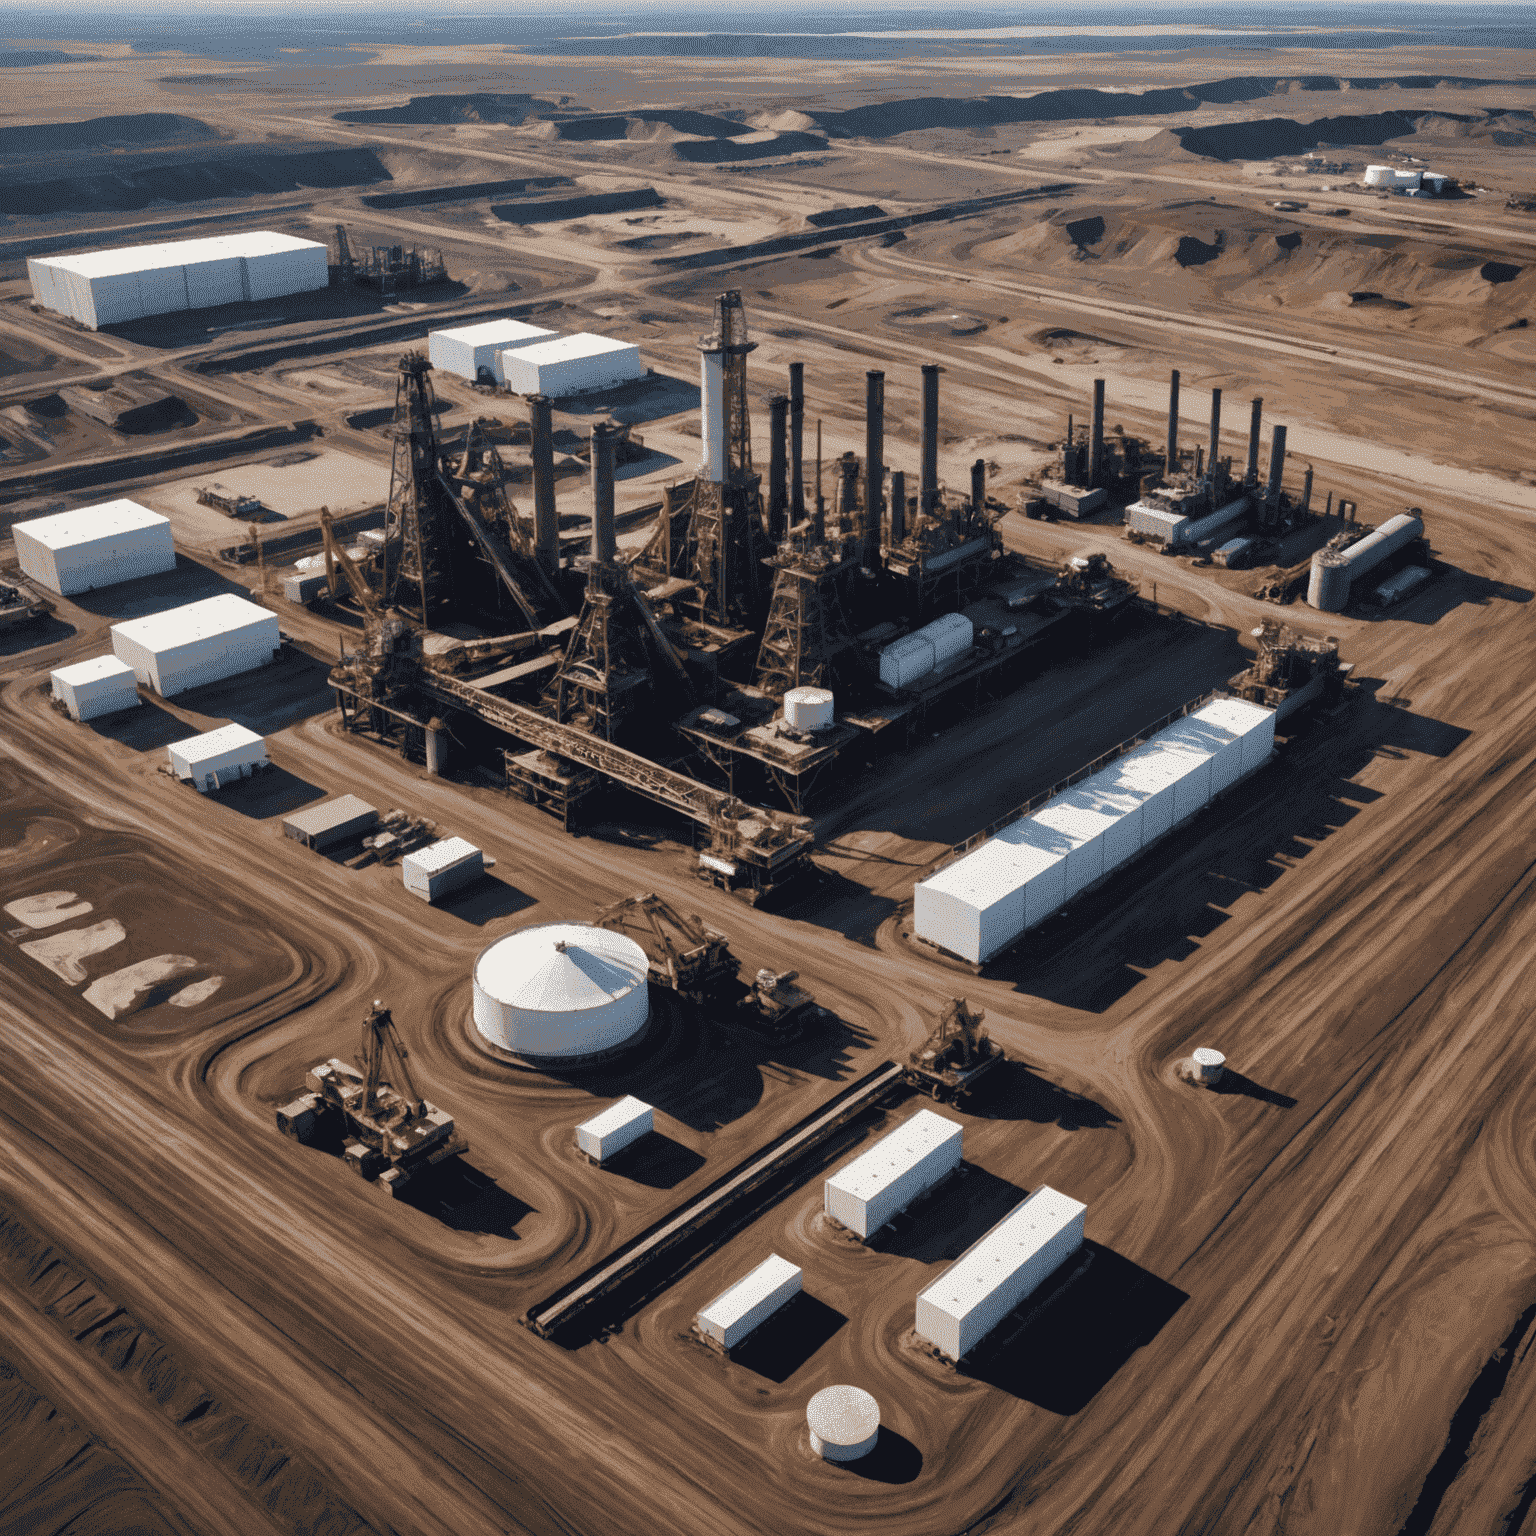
898, 507
605, 542
979, 487
796, 443
819, 517
1306, 491
874, 464
1171, 462
847, 490
1276, 464
1213, 455
1096, 447
1255, 425
712, 413
546, 525
928, 485
778, 418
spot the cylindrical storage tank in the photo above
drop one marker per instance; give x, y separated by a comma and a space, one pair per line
1328, 588
1210, 1065
561, 992
844, 1423
808, 709
1386, 540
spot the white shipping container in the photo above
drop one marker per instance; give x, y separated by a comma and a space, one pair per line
570, 365
733, 1314
93, 547
1040, 864
999, 1271
903, 661
614, 1128
1226, 749
1151, 772
1252, 724
199, 643
1110, 797
974, 907
217, 758
465, 349
442, 867
1082, 828
101, 686
881, 1183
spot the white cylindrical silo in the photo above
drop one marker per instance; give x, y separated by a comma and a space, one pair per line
808, 709
1210, 1065
712, 416
1328, 587
561, 992
844, 1423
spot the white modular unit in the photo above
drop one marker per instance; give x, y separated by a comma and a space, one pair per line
952, 634
1192, 751
570, 365
1082, 826
974, 907
903, 661
732, 1315
1161, 524
999, 1271
466, 349
441, 868
217, 758
1252, 724
101, 686
1039, 856
615, 1128
881, 1183
94, 547
1149, 771
1226, 749
1108, 796
200, 643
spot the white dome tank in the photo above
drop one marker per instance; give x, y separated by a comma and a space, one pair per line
844, 1423
561, 992
809, 709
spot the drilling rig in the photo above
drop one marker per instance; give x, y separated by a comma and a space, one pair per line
956, 1056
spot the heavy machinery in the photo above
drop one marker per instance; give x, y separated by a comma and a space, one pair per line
1291, 670
21, 604
956, 1056
230, 503
388, 1133
389, 268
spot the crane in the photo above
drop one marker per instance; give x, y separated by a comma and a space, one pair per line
336, 556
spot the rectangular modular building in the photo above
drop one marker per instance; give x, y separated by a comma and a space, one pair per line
733, 1314
570, 365
133, 282
999, 1271
94, 547
616, 1127
101, 686
199, 643
217, 758
881, 1183
980, 904
333, 821
442, 867
466, 349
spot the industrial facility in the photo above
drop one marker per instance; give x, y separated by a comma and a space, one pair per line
91, 547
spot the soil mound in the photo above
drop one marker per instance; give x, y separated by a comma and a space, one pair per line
830, 218
584, 130
1085, 232
1193, 252
470, 191
556, 209
98, 132
716, 151
1271, 136
479, 107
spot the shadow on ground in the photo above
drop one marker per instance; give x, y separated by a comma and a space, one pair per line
488, 899
789, 1338
656, 1161
894, 1459
950, 1218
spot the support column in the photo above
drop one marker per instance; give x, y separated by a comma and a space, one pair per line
874, 464
778, 504
1255, 426
546, 524
898, 507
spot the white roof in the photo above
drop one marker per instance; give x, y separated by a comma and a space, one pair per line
987, 873
178, 253
441, 855
92, 671
562, 349
198, 749
490, 333
843, 1415
1163, 515
731, 1306
616, 1116
1075, 816
893, 1155
1020, 1234
1238, 716
194, 621
86, 524
562, 968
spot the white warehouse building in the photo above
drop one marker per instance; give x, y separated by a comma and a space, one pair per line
466, 349
570, 365
101, 686
1000, 1270
977, 906
92, 547
881, 1183
217, 758
132, 282
733, 1314
199, 643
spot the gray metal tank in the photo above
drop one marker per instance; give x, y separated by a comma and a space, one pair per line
1386, 540
1328, 588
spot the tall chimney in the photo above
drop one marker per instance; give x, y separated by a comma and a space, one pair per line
979, 487
1213, 456
711, 412
1276, 464
796, 444
605, 542
1096, 447
819, 516
1255, 425
778, 418
898, 507
1171, 463
546, 525
928, 484
847, 490
874, 464
1306, 491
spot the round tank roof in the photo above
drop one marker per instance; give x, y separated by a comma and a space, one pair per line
844, 1423
1206, 1057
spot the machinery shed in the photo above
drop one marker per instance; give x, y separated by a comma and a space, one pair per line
617, 1127
570, 365
1000, 1270
199, 643
217, 758
879, 1184
101, 686
94, 547
733, 1314
442, 868
467, 349
333, 821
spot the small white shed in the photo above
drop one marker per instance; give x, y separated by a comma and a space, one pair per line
571, 365
101, 686
217, 758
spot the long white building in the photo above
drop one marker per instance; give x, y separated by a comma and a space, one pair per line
881, 1183
977, 906
133, 282
466, 349
198, 643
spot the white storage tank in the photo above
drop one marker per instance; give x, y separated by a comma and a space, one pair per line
442, 868
199, 643
466, 349
844, 1423
733, 1314
880, 1184
101, 686
571, 365
1210, 1065
217, 758
1000, 1270
808, 709
617, 1127
561, 992
94, 547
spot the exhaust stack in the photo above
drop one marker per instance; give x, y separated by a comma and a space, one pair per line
796, 444
1213, 454
605, 544
928, 485
874, 464
1255, 426
546, 525
1096, 447
1171, 461
898, 507
1276, 465
778, 466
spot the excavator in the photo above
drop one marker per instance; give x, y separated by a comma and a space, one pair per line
389, 1132
694, 961
956, 1056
